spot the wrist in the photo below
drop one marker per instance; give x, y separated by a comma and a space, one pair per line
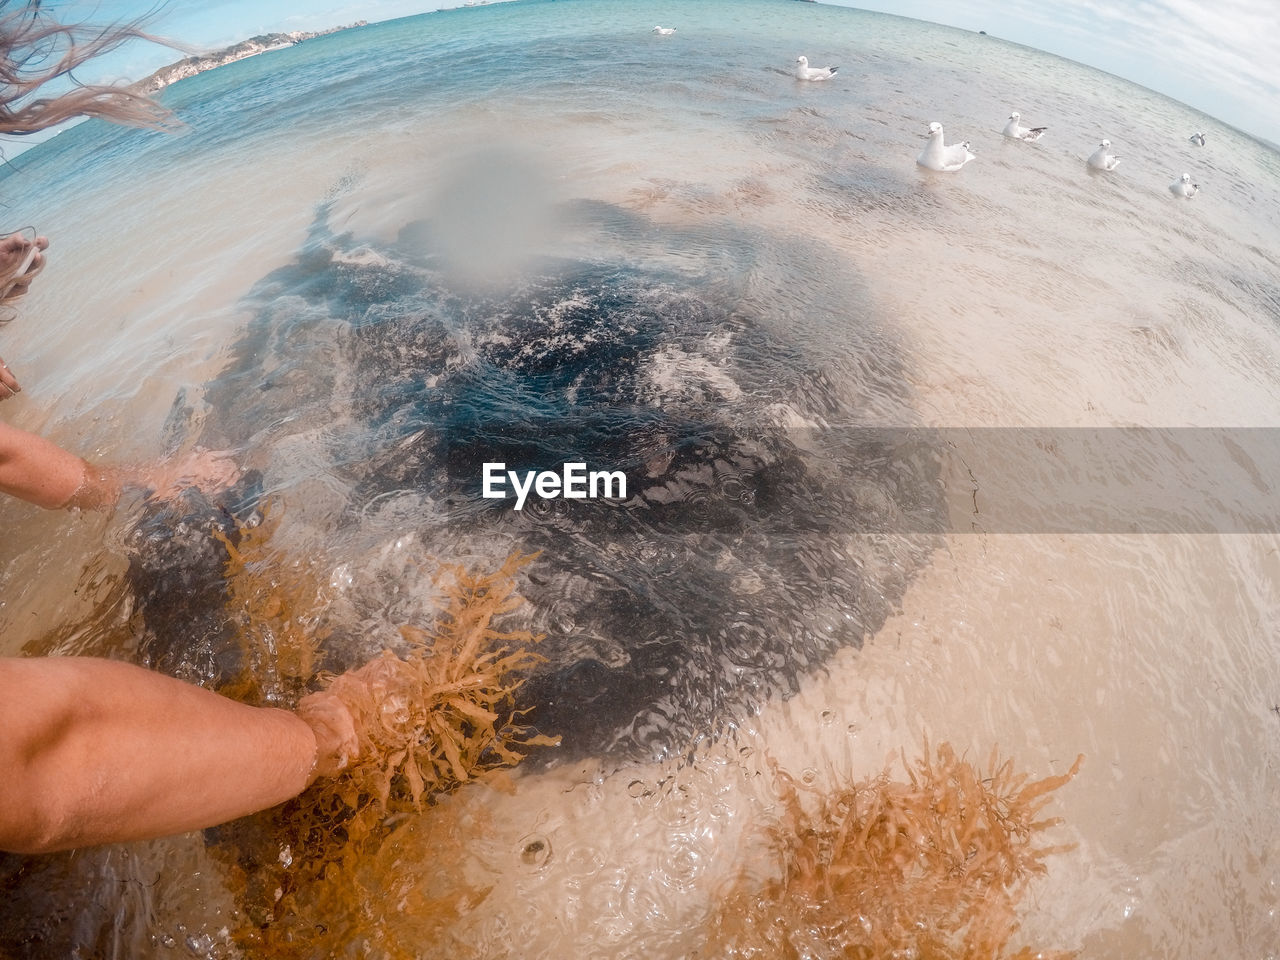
98, 489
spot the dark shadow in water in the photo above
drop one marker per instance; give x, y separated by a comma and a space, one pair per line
176, 563
754, 540
759, 535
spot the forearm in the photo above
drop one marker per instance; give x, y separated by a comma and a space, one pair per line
96, 751
40, 472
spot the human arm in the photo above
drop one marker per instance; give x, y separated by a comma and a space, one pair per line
97, 751
38, 471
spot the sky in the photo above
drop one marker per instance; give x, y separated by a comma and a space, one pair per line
1220, 56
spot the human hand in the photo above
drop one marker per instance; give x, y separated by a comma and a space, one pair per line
21, 258
335, 712
372, 701
8, 382
209, 470
335, 732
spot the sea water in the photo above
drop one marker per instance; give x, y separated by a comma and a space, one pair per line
536, 231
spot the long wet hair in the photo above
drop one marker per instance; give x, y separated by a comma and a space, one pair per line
36, 49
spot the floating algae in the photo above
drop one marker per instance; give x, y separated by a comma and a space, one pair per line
390, 859
441, 715
931, 867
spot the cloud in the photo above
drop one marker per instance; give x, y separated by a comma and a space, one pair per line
1222, 57
1233, 45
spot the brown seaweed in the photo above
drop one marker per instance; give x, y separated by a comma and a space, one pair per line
932, 866
435, 718
438, 716
929, 867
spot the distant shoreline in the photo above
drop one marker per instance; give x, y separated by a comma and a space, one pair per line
264, 43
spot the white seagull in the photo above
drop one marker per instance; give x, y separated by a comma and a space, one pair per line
664, 31
1183, 187
1198, 139
806, 72
1101, 160
940, 156
1016, 131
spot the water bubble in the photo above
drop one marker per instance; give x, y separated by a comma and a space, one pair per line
614, 929
1131, 902
395, 711
639, 789
535, 850
582, 861
538, 508
683, 862
679, 806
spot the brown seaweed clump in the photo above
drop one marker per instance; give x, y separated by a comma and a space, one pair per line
930, 868
445, 712
441, 715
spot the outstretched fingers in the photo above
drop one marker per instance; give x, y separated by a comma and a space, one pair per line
8, 382
21, 258
208, 470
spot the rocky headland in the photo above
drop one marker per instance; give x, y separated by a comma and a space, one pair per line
245, 48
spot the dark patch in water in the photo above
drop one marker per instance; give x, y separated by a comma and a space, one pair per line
176, 562
747, 551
